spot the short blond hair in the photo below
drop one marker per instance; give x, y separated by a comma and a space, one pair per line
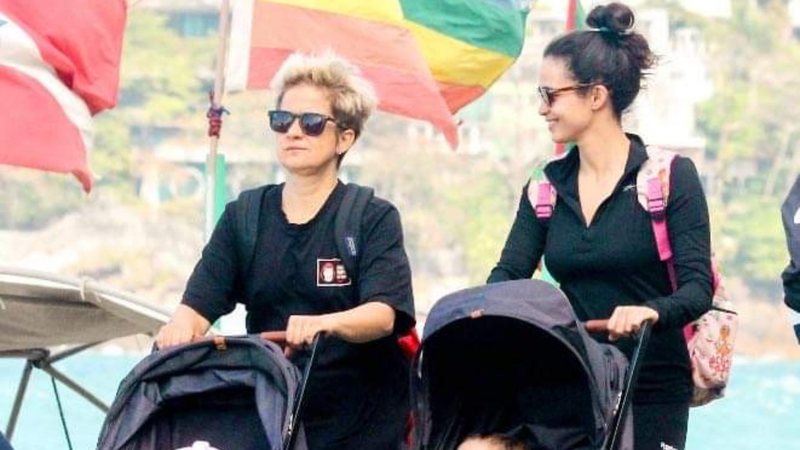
351, 95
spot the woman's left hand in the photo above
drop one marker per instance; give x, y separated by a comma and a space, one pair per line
627, 320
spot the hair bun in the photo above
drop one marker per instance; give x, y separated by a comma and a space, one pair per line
614, 18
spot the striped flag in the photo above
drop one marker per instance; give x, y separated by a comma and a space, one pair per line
576, 15
426, 59
59, 65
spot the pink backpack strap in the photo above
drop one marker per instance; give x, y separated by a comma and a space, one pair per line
545, 200
657, 207
542, 197
541, 192
653, 182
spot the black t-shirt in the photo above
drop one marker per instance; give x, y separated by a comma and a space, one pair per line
614, 261
357, 392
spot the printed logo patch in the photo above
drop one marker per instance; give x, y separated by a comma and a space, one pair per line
331, 273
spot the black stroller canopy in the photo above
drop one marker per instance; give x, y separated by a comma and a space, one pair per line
236, 394
511, 358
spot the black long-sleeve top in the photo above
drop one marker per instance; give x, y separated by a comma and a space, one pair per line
614, 261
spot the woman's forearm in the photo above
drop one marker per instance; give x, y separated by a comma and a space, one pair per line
363, 323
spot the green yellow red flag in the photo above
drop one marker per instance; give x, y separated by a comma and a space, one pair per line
427, 59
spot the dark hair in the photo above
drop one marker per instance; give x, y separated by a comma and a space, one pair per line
609, 53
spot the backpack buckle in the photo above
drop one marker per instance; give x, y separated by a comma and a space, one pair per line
544, 200
543, 210
656, 205
657, 208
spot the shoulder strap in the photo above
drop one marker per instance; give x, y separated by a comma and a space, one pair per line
541, 194
652, 187
248, 209
347, 226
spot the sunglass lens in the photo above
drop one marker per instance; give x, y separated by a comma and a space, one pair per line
280, 121
313, 124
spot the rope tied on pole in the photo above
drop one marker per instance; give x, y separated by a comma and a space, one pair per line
214, 116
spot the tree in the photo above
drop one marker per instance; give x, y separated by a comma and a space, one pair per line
752, 59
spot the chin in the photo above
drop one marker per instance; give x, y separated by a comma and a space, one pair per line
302, 167
559, 139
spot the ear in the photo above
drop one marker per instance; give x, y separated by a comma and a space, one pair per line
600, 96
344, 141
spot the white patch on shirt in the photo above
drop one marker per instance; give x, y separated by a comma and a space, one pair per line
665, 446
797, 216
331, 273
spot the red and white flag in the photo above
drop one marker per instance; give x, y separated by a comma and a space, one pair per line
59, 65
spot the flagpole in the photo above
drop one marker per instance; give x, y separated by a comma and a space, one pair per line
216, 104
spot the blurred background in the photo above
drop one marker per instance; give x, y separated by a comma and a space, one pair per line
725, 93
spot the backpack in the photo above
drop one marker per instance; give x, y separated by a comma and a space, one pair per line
710, 338
346, 230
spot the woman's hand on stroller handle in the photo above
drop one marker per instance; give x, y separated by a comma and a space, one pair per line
624, 321
186, 325
280, 338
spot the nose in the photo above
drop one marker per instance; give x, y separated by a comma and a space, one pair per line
543, 108
295, 130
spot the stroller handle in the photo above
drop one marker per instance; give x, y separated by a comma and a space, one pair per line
596, 326
277, 337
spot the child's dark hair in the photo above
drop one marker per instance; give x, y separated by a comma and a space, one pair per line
501, 441
609, 53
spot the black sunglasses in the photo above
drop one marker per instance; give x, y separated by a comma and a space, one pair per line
312, 124
548, 95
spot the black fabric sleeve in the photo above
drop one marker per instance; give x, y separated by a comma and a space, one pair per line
524, 245
211, 286
384, 272
791, 286
689, 234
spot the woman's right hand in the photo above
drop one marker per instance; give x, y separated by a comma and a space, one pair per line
627, 320
173, 334
185, 326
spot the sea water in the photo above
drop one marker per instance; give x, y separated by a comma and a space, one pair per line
761, 410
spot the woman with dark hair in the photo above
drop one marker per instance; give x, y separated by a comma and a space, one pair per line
598, 241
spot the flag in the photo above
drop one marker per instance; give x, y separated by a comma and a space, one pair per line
59, 65
576, 16
426, 59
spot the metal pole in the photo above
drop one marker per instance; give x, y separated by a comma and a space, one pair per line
23, 385
216, 101
68, 382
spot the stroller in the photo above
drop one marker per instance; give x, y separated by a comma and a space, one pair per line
511, 359
235, 393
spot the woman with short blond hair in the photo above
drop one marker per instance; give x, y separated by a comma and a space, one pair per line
358, 391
